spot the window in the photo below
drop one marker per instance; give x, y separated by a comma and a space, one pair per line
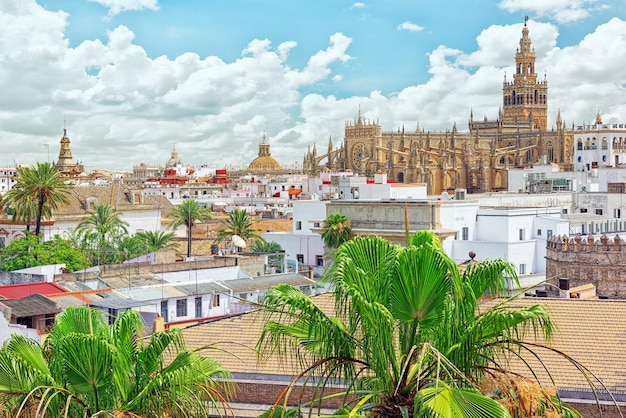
199, 307
539, 232
598, 211
522, 269
617, 213
465, 233
319, 260
298, 225
317, 224
549, 233
300, 258
181, 307
112, 316
583, 210
564, 211
164, 310
216, 299
522, 234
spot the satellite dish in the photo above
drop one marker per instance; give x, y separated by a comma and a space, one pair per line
238, 241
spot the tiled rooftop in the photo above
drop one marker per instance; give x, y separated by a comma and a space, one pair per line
592, 332
16, 291
232, 342
31, 306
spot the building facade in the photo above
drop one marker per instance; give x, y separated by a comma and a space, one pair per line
477, 160
599, 145
599, 260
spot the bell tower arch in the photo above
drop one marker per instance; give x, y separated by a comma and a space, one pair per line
525, 98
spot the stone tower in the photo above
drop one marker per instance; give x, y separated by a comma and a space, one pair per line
525, 98
65, 164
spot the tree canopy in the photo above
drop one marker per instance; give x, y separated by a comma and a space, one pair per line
89, 368
30, 252
187, 213
407, 337
238, 222
38, 190
336, 230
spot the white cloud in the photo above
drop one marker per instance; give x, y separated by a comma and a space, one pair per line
579, 78
560, 10
119, 6
411, 27
358, 5
123, 107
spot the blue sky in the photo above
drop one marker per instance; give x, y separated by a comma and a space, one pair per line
134, 77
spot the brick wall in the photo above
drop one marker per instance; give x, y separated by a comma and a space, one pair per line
601, 262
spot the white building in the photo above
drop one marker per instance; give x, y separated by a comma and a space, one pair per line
514, 234
599, 145
7, 178
302, 245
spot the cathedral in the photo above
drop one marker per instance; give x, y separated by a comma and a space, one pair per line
476, 160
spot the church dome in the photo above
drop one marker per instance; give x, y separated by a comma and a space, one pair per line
174, 159
265, 161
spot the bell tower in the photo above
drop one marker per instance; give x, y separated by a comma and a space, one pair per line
525, 99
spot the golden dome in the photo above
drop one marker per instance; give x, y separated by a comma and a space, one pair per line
264, 161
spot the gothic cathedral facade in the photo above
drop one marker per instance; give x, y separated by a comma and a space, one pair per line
476, 160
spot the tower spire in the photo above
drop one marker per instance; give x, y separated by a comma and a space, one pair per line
526, 98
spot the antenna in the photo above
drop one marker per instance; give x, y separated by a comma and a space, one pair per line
47, 147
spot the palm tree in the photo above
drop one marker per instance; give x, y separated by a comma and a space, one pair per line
39, 187
88, 368
187, 214
104, 222
407, 338
336, 230
274, 260
238, 223
23, 207
157, 240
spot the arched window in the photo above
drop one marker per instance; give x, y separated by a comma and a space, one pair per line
530, 153
400, 177
580, 145
550, 151
605, 144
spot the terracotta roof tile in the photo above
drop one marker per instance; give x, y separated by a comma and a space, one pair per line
592, 332
232, 341
31, 306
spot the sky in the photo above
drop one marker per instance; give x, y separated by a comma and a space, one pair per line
132, 79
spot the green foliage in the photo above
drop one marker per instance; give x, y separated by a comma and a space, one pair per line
336, 230
30, 252
88, 368
239, 223
103, 237
187, 213
262, 246
37, 192
274, 260
103, 223
408, 337
157, 240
